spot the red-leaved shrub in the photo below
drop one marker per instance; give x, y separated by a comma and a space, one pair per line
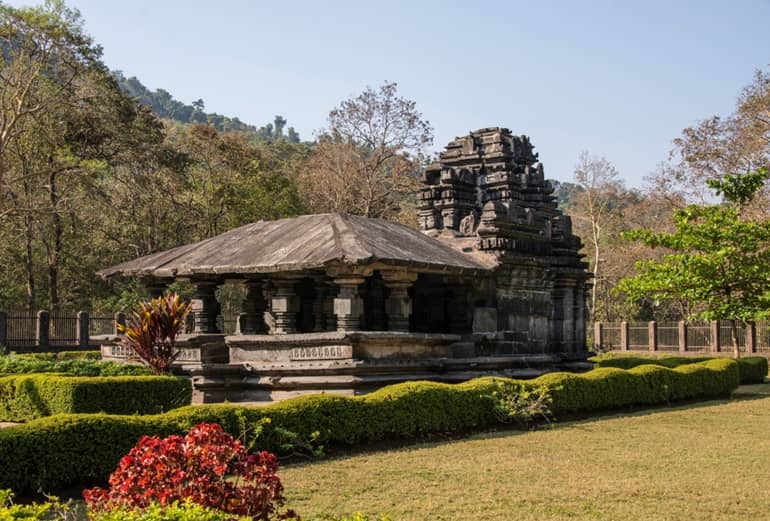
206, 466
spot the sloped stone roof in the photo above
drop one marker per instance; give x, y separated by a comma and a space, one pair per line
302, 243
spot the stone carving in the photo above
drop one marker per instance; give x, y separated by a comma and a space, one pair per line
469, 223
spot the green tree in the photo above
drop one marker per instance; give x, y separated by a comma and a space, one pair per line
718, 257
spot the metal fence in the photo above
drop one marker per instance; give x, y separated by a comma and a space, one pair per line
43, 330
693, 337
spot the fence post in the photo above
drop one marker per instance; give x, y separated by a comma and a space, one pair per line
598, 340
43, 328
83, 331
624, 336
120, 319
652, 330
3, 328
751, 337
682, 336
714, 336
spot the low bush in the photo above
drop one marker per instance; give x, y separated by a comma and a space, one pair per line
752, 369
54, 509
24, 364
29, 396
63, 355
66, 450
174, 512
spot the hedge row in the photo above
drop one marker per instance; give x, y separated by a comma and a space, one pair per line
26, 397
24, 364
63, 355
752, 369
68, 450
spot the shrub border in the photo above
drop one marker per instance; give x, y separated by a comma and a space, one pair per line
68, 450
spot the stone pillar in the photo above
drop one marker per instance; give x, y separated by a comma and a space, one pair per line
284, 306
398, 306
323, 306
82, 328
751, 337
119, 320
42, 335
205, 307
624, 336
329, 318
652, 332
252, 320
3, 328
598, 337
348, 306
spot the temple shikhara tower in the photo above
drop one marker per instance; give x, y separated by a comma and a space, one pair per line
491, 284
487, 196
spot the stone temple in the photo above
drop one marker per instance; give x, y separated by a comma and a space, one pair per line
491, 284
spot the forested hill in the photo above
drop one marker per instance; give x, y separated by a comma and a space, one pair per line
165, 106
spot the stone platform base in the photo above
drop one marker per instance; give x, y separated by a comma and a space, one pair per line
267, 368
266, 383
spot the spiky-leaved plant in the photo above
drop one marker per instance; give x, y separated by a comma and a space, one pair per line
152, 330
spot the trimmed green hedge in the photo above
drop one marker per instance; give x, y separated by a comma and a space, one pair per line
67, 450
26, 397
63, 355
24, 364
752, 369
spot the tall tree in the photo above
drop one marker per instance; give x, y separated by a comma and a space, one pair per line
367, 161
719, 257
596, 203
719, 146
44, 52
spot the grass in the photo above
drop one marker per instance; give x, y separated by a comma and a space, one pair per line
704, 461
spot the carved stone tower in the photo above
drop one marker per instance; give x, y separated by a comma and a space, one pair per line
487, 196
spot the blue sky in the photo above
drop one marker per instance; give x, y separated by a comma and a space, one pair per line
618, 79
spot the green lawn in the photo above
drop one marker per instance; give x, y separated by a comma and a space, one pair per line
703, 461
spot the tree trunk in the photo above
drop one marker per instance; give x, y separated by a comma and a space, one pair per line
55, 249
28, 263
734, 335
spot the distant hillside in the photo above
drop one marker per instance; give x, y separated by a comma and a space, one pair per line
165, 106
